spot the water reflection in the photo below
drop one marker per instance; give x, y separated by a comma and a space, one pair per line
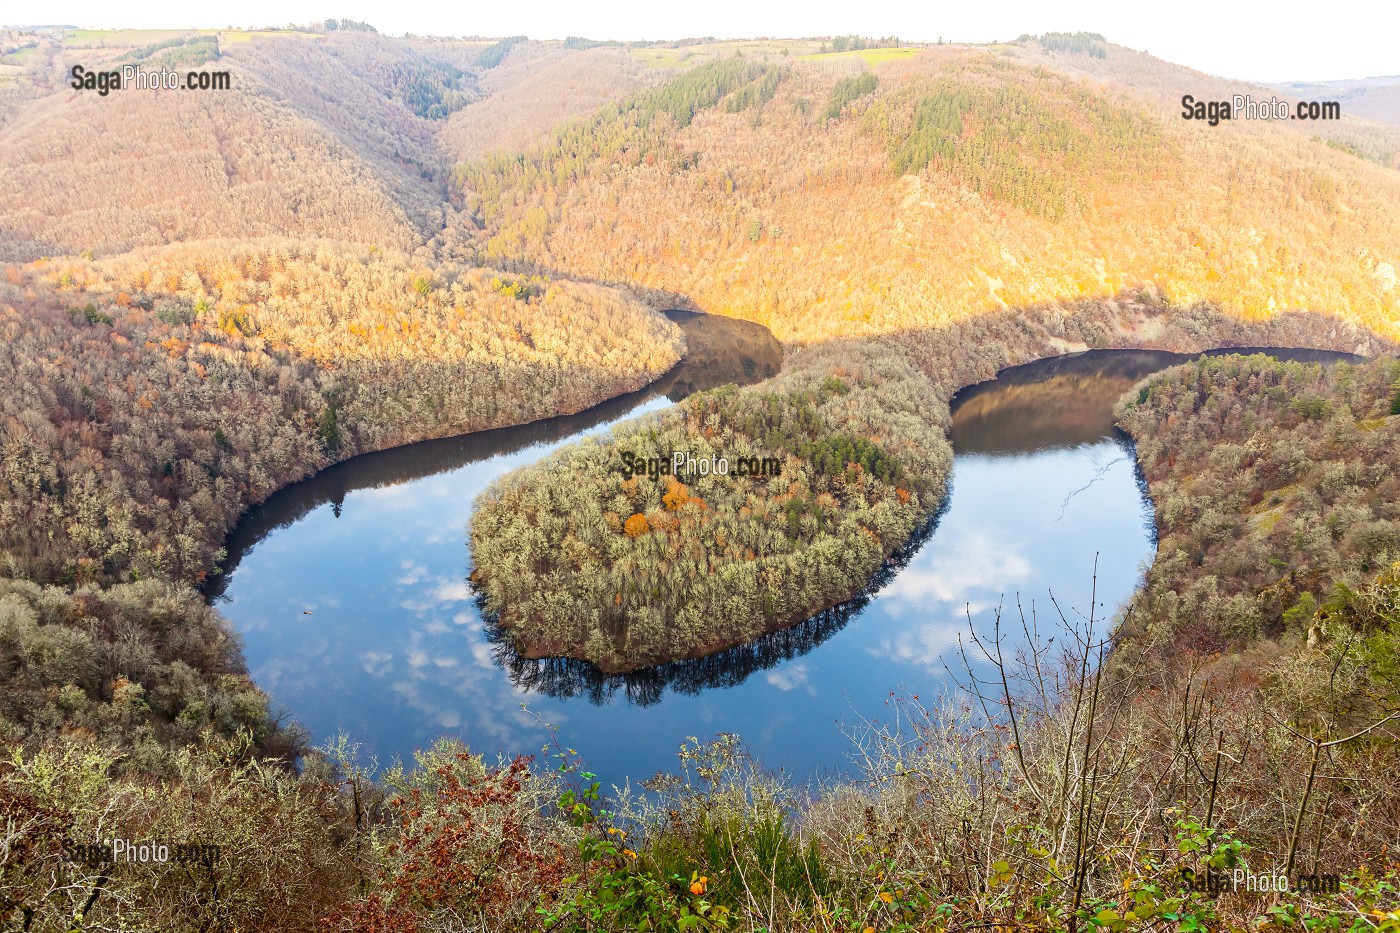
395, 652
565, 678
1059, 402
719, 351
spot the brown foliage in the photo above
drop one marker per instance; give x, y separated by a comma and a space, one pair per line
520, 110
1274, 485
468, 846
252, 366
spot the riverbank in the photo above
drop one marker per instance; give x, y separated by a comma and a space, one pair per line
725, 560
142, 419
718, 351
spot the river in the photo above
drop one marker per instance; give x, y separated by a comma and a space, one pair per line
349, 590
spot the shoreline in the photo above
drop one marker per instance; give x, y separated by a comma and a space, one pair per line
1248, 337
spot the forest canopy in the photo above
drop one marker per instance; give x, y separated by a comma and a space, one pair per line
576, 559
1276, 492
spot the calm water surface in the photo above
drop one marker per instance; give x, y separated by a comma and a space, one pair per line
349, 589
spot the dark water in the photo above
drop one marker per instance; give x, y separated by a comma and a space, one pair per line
395, 654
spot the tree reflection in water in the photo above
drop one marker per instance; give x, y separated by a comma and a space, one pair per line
1050, 403
567, 678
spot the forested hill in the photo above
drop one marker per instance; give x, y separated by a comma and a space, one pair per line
911, 220
875, 192
364, 241
1162, 83
324, 138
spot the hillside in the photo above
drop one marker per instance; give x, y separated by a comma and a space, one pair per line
317, 137
1275, 492
249, 268
1373, 98
1163, 83
150, 399
857, 225
519, 109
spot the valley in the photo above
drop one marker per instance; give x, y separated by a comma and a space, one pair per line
316, 393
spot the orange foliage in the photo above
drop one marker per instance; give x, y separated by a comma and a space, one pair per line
676, 495
636, 526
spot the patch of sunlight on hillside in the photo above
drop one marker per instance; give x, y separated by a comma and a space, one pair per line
249, 35
690, 55
869, 56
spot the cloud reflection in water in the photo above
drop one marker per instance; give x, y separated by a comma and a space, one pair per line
405, 658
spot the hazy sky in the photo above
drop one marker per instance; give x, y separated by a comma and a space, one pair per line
1274, 42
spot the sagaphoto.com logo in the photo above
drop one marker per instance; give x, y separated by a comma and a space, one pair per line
1245, 107
1273, 881
134, 77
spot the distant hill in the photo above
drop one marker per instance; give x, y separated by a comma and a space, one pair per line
306, 143
528, 100
849, 192
344, 135
261, 255
369, 241
1373, 98
1163, 83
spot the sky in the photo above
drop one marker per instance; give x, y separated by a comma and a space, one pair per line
1276, 42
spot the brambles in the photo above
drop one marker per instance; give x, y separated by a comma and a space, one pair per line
459, 839
612, 888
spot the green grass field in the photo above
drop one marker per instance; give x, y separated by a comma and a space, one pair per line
128, 38
242, 35
869, 56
